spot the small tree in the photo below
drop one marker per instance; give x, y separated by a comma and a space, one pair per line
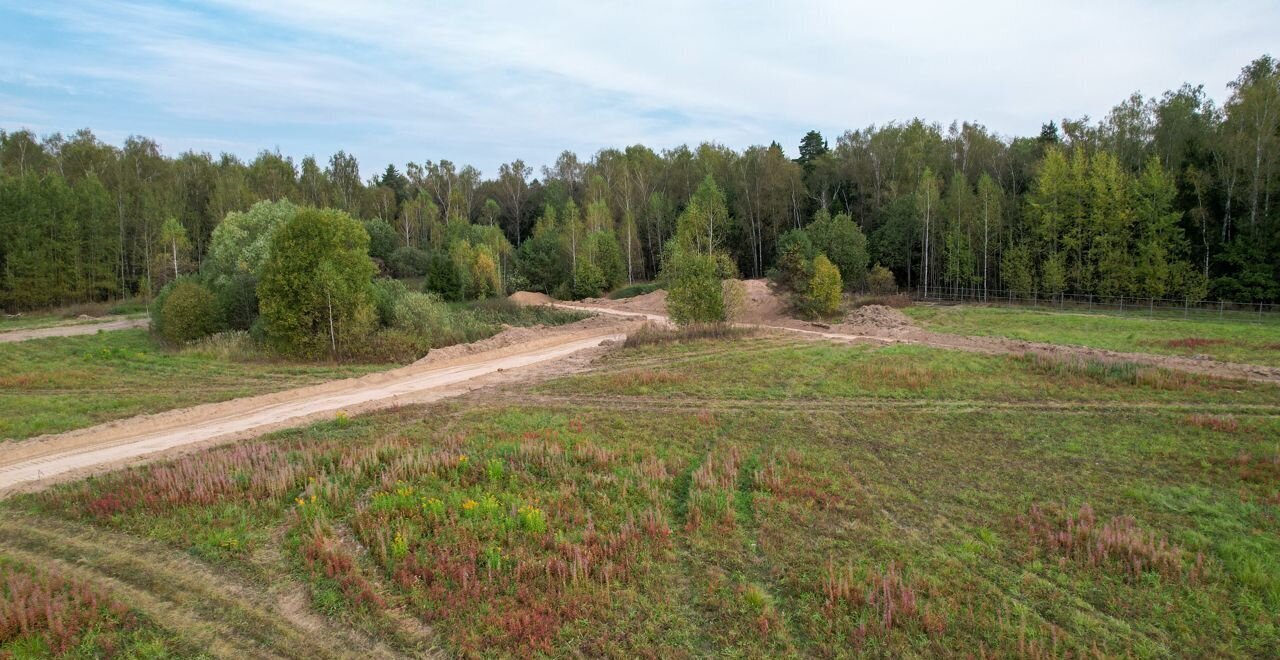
842, 241
316, 288
694, 291
588, 280
823, 297
409, 261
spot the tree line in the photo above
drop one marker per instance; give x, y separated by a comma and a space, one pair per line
1166, 196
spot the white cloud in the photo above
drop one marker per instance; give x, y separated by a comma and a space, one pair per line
489, 81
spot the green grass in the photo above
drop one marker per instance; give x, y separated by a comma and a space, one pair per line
69, 315
759, 497
58, 384
1226, 340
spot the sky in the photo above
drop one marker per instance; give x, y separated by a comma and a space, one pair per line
485, 82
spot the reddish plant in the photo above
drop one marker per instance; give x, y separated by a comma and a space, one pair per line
58, 611
1257, 469
890, 597
1118, 542
325, 555
1194, 342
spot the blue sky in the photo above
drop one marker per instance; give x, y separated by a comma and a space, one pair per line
486, 82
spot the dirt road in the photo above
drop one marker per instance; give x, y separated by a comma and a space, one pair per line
40, 461
71, 330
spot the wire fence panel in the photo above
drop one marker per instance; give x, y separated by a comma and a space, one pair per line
1120, 305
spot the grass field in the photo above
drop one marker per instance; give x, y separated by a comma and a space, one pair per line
761, 496
58, 384
1230, 341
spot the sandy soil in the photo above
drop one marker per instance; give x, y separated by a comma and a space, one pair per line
37, 462
885, 325
72, 329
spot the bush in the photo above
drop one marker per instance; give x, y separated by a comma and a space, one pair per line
316, 291
880, 281
386, 293
238, 300
188, 312
824, 294
409, 261
695, 294
842, 241
241, 243
588, 280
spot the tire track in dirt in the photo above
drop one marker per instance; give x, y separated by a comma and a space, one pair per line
72, 330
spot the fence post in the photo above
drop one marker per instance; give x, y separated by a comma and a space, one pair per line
1151, 311
1219, 309
1091, 302
1186, 306
1122, 304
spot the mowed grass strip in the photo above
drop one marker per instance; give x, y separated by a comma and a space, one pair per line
579, 529
1227, 340
58, 384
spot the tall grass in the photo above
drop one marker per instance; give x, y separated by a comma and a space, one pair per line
651, 334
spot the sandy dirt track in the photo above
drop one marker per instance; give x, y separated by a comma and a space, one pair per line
40, 461
71, 330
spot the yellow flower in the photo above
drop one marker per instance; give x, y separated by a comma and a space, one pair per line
470, 504
462, 459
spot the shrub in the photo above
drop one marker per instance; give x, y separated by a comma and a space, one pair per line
734, 293
238, 301
695, 294
442, 277
189, 311
419, 313
386, 293
824, 292
409, 261
588, 280
880, 281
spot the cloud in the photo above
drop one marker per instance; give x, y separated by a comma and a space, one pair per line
488, 81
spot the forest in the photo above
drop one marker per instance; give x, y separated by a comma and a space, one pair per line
1164, 197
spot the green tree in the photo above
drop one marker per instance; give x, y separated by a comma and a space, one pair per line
702, 225
316, 287
695, 293
383, 239
241, 243
843, 242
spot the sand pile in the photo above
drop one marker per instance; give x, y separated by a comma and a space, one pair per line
877, 316
761, 305
508, 337
528, 298
650, 303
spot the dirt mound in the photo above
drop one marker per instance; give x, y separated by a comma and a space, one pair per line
529, 298
761, 304
877, 316
508, 337
654, 302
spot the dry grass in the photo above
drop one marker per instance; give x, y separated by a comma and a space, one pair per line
651, 334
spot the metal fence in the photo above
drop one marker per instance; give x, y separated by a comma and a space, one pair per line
1121, 305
